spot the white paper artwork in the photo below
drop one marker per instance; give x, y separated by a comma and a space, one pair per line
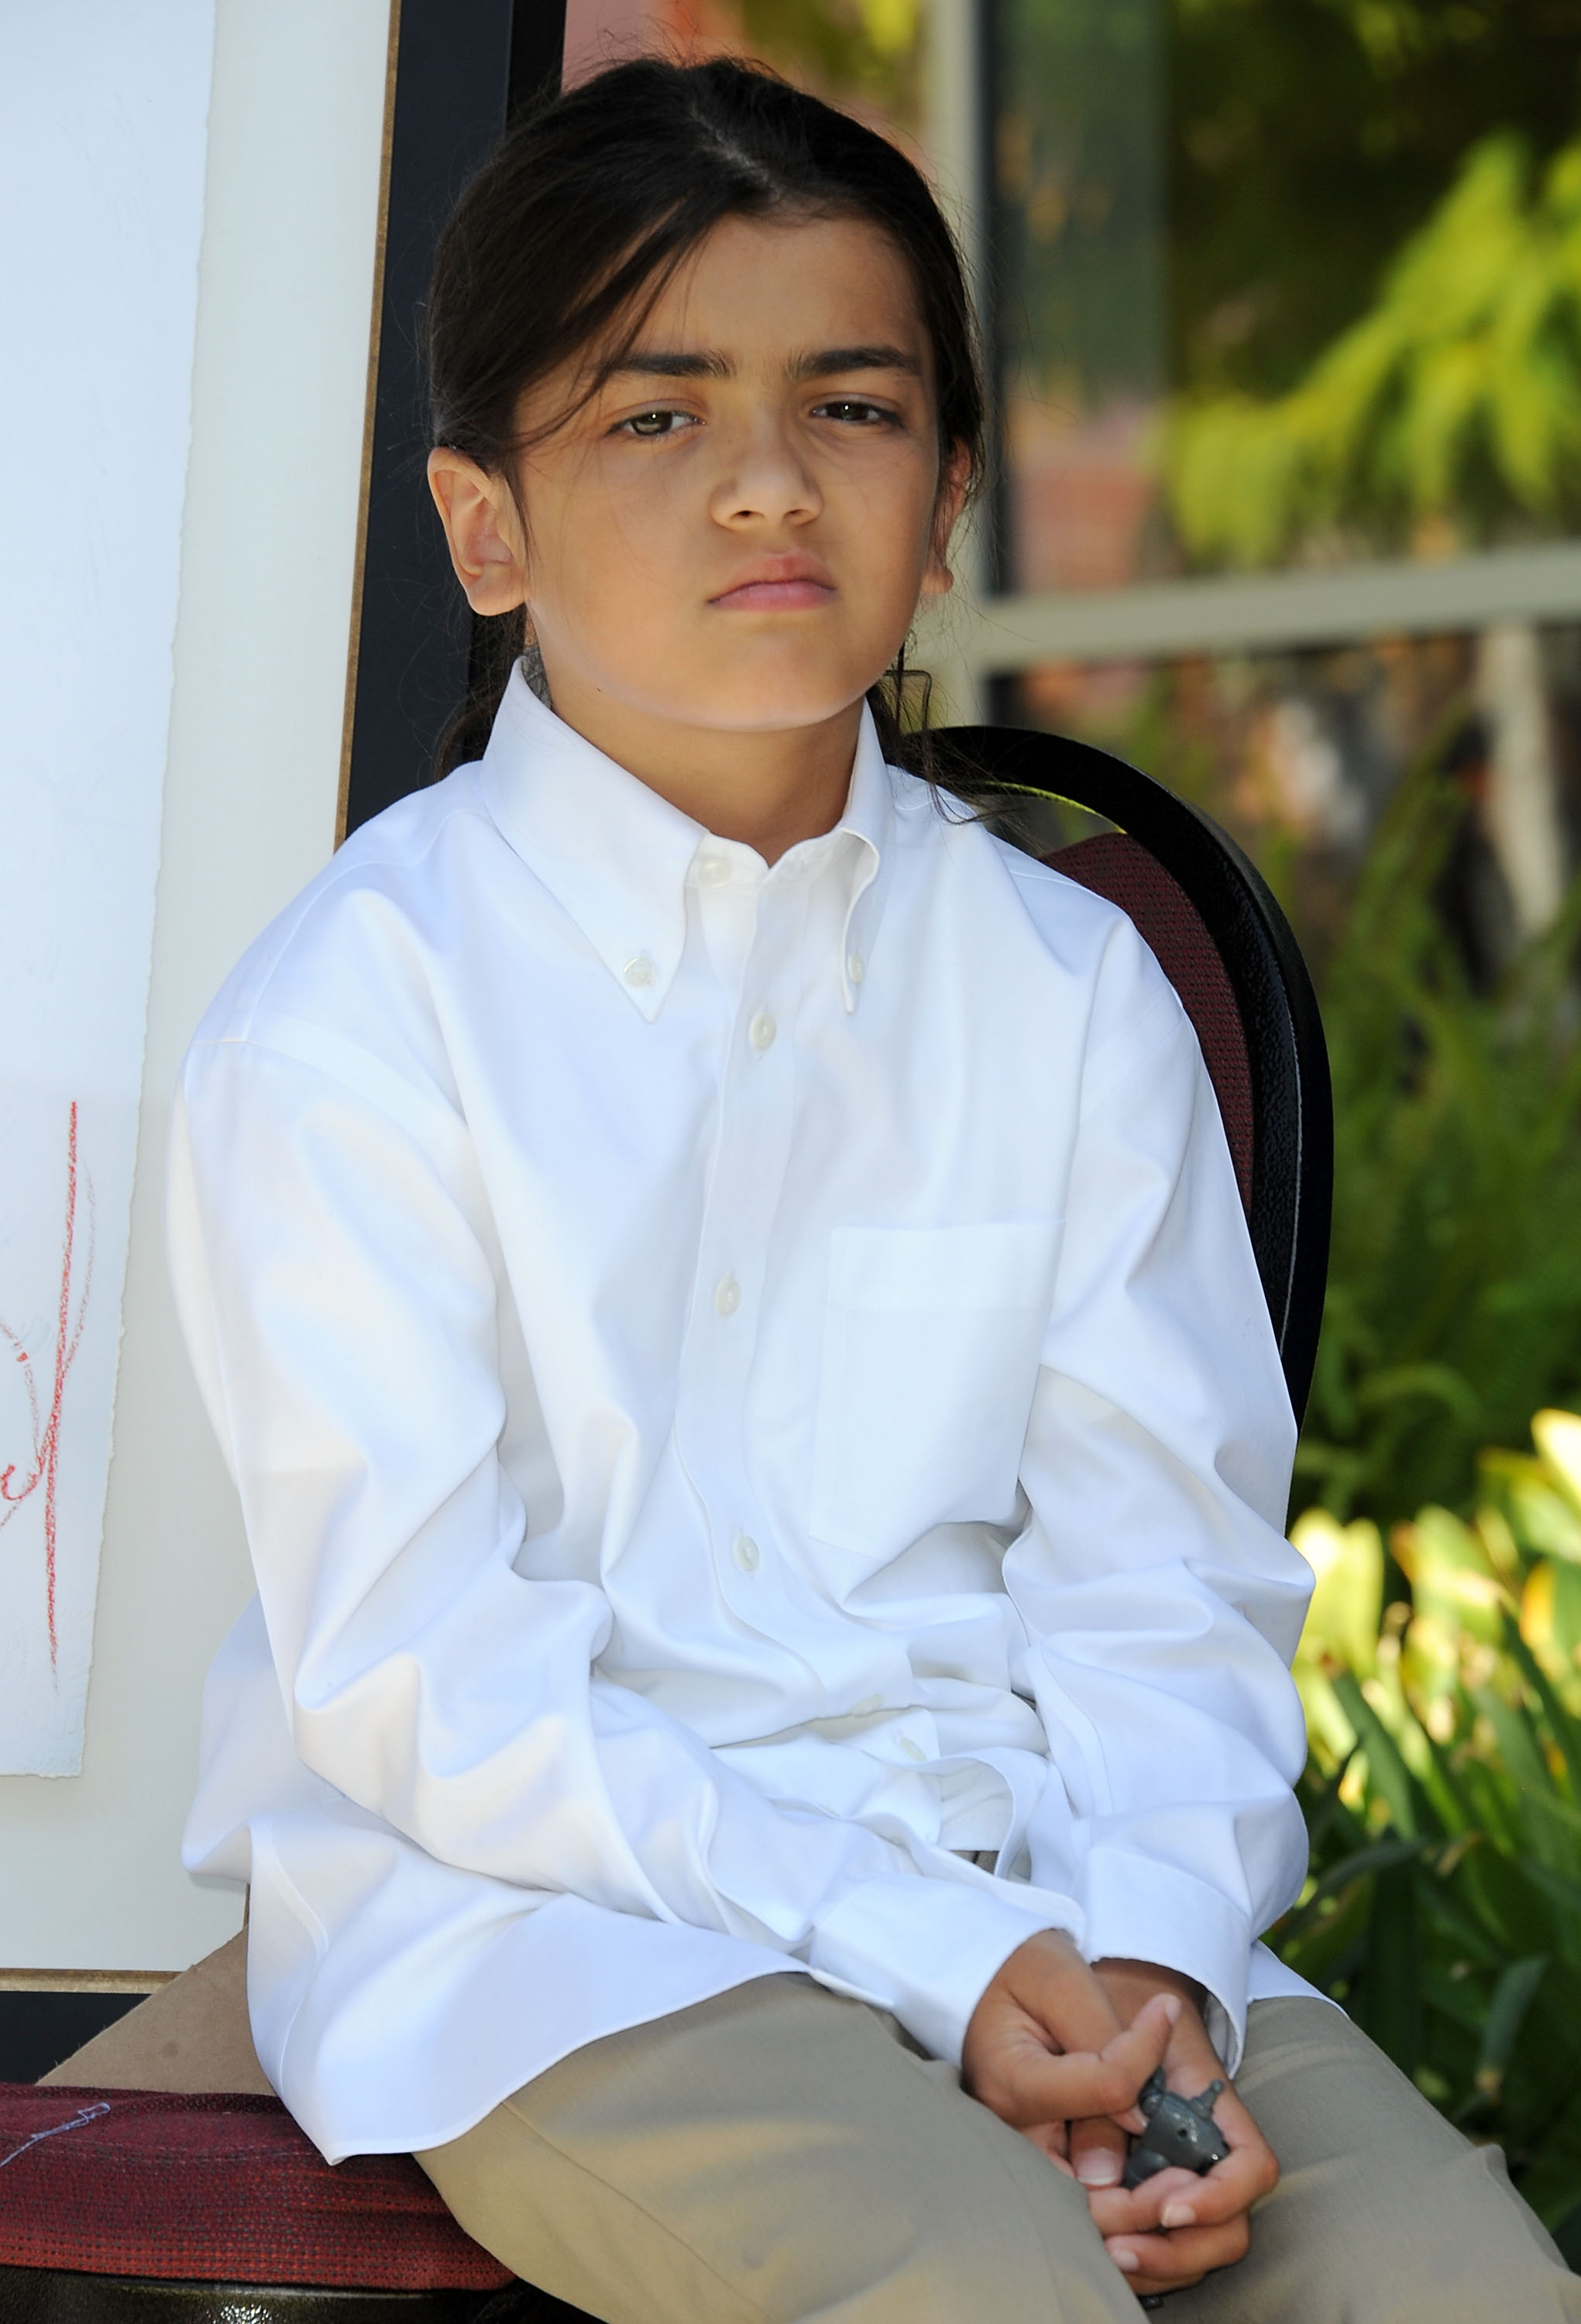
103, 108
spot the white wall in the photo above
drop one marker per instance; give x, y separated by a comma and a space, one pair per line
89, 1876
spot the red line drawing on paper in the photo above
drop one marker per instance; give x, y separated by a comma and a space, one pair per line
43, 1467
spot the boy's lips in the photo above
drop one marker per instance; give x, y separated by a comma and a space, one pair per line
778, 584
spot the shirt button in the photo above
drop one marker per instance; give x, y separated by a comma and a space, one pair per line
639, 970
868, 1705
713, 870
912, 1750
727, 1295
744, 1550
856, 968
762, 1030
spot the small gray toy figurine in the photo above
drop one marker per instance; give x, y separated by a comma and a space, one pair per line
1180, 2131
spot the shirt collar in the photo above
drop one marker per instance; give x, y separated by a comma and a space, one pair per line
618, 858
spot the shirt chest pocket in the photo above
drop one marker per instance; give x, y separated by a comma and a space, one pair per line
931, 1347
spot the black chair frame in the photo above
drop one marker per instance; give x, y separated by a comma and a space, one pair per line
34, 2295
30, 2295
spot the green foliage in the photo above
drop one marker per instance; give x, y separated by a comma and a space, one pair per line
862, 52
1443, 1906
1454, 1303
1308, 139
1457, 397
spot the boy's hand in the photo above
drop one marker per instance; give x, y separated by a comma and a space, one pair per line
1175, 2227
1046, 2046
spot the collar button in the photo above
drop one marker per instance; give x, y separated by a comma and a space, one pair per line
639, 972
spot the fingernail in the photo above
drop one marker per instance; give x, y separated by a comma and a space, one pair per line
1178, 2214
1172, 2008
1098, 2166
1127, 2260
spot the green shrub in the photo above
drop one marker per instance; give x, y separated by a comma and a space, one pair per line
1454, 397
1453, 1306
1443, 1906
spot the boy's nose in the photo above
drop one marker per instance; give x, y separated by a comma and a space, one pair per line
765, 482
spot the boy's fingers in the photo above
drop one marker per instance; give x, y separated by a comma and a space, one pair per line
1035, 2088
1246, 2140
1049, 2138
1137, 2054
1169, 2263
1038, 2087
1061, 1993
1119, 2210
1177, 2199
1057, 1990
1097, 2149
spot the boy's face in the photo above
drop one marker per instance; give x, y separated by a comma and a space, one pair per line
733, 533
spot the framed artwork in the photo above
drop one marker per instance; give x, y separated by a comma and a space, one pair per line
103, 151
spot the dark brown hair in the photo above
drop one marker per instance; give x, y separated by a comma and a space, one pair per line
567, 235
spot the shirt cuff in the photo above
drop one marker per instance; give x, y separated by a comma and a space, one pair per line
927, 1949
1138, 1909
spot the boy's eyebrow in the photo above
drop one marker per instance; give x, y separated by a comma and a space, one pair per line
825, 362
659, 363
880, 357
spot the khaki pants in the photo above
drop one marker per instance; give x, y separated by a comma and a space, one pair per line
780, 2156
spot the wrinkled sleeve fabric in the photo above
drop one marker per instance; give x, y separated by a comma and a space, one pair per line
1161, 1601
339, 1281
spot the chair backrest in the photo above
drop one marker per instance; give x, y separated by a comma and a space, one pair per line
1229, 952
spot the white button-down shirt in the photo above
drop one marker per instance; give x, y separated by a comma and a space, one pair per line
745, 1384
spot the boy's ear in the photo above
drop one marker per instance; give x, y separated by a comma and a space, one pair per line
483, 530
953, 486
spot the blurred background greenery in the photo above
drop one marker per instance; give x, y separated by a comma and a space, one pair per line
1354, 319
1443, 1796
1291, 288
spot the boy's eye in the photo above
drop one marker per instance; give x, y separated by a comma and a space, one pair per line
856, 410
661, 421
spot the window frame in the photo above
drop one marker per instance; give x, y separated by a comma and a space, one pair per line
986, 636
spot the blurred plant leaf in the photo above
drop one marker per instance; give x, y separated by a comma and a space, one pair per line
1453, 1304
1347, 1600
1443, 1908
1456, 398
1507, 2012
1386, 1768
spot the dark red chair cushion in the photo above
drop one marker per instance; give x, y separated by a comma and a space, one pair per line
140, 2183
1121, 869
